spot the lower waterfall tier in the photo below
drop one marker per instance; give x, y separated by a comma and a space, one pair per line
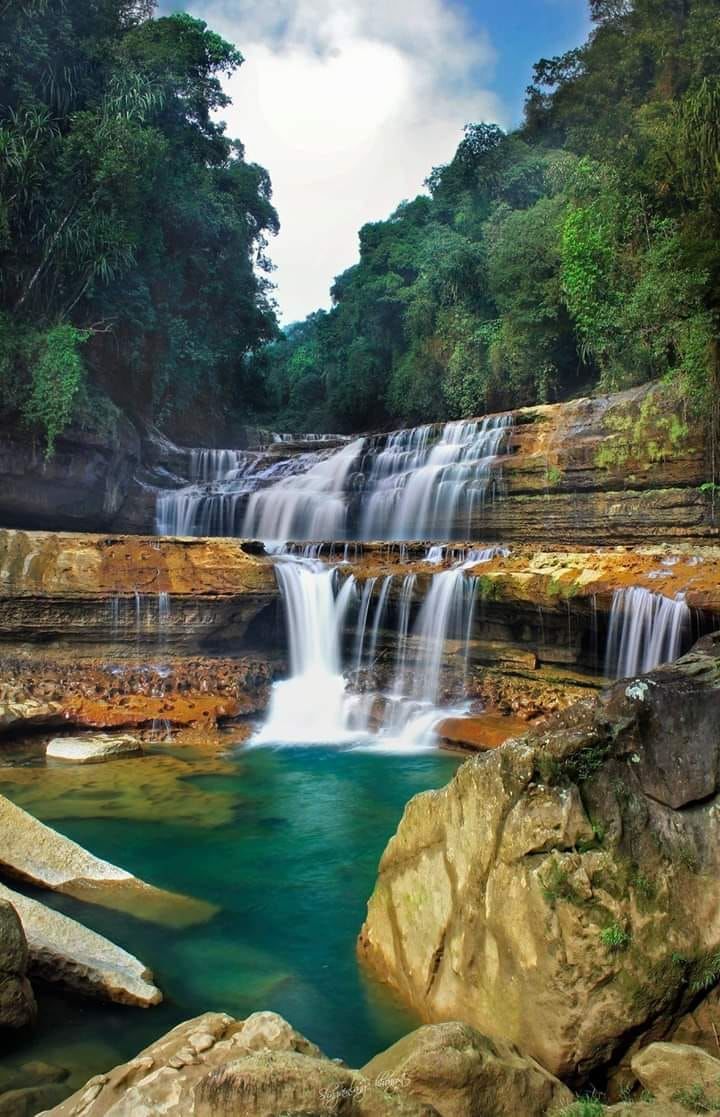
114, 630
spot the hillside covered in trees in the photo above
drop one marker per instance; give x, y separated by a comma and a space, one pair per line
579, 252
132, 230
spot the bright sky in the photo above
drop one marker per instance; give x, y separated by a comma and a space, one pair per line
350, 104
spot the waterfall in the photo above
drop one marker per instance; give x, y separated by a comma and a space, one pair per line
311, 506
311, 706
418, 490
315, 705
427, 482
646, 629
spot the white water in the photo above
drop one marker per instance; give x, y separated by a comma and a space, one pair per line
310, 506
421, 490
220, 483
315, 705
311, 706
645, 630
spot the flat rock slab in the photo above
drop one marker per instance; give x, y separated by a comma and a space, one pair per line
33, 852
64, 952
92, 749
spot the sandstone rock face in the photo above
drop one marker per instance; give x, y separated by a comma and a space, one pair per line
63, 952
215, 1066
463, 1074
676, 1072
131, 591
701, 1026
17, 1004
609, 468
561, 893
92, 749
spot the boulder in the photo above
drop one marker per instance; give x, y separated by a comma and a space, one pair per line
17, 1004
39, 855
64, 952
215, 1066
701, 1026
563, 892
464, 1074
676, 1072
92, 749
26, 714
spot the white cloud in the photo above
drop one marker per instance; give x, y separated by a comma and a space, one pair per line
349, 110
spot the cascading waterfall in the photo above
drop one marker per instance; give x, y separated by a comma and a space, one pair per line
421, 490
310, 506
220, 484
311, 706
315, 704
645, 630
424, 483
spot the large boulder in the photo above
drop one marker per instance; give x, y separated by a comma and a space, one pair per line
64, 952
17, 1004
215, 1066
676, 1072
464, 1074
563, 892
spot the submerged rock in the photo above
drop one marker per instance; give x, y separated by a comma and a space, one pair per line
562, 893
92, 749
464, 1074
35, 853
62, 951
17, 1003
215, 1066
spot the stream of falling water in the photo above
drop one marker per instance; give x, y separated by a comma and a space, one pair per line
646, 629
316, 705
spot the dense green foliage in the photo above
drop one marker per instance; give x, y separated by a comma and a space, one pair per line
581, 251
132, 230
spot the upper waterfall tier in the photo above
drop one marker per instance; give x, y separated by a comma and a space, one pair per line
428, 482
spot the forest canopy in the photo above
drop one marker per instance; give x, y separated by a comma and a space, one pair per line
133, 267
580, 252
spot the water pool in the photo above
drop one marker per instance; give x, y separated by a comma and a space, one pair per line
285, 842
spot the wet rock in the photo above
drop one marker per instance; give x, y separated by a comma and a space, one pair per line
215, 1066
17, 1003
92, 749
562, 893
676, 1072
62, 951
464, 1074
